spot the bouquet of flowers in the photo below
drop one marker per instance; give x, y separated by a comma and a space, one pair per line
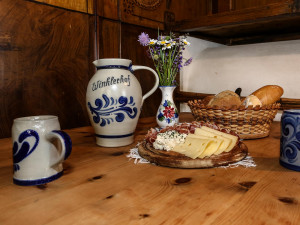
166, 53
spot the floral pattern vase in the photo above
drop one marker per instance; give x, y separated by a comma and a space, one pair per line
167, 114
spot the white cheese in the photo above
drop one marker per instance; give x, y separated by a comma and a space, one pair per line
167, 140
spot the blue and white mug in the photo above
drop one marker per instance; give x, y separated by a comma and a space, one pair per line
290, 139
39, 148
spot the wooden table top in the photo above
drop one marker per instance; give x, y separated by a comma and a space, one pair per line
102, 186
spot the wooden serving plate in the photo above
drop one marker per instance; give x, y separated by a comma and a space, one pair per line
177, 160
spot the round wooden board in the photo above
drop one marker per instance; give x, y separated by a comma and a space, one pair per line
254, 136
177, 160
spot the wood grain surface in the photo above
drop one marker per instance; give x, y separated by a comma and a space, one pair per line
108, 9
45, 53
245, 22
85, 6
102, 186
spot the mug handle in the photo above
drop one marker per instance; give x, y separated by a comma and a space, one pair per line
156, 80
66, 144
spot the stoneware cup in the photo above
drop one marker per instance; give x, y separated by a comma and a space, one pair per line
39, 148
290, 139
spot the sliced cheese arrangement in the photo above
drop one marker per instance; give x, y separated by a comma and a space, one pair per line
192, 145
206, 142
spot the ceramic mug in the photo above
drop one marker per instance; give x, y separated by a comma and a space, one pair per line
39, 148
290, 139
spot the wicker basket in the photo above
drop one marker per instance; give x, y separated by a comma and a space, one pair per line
248, 123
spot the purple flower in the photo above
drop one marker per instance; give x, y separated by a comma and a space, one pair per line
188, 62
144, 39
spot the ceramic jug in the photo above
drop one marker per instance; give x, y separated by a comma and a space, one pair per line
114, 100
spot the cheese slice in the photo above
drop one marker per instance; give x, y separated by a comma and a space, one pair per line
206, 142
211, 147
225, 141
192, 147
233, 139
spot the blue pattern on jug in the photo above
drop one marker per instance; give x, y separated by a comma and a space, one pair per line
22, 148
107, 108
116, 67
290, 138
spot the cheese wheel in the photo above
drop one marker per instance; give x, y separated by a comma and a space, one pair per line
268, 94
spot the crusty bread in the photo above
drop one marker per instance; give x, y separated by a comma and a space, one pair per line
177, 160
226, 99
268, 94
251, 100
206, 100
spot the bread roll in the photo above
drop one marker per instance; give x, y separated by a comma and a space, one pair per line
225, 99
268, 94
251, 100
206, 100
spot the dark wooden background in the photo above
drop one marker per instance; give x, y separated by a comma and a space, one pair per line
47, 48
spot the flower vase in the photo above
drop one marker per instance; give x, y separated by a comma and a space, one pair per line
167, 114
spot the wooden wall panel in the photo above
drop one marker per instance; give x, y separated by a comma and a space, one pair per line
143, 14
45, 53
190, 10
246, 4
223, 6
131, 49
85, 6
108, 9
109, 38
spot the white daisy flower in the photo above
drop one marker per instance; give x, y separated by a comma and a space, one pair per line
186, 42
162, 42
152, 42
169, 45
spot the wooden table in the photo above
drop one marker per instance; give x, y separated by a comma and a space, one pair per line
102, 186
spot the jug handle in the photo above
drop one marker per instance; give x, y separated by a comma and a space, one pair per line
156, 80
